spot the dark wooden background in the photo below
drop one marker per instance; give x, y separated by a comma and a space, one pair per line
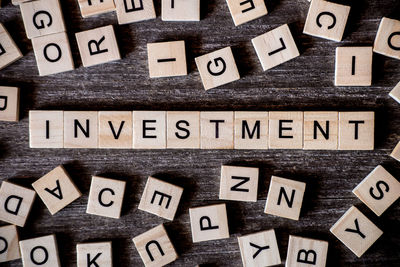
305, 83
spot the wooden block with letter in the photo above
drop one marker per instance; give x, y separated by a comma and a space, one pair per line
17, 2
285, 198
106, 197
251, 130
94, 254
160, 198
326, 20
275, 47
46, 129
9, 103
40, 251
378, 190
9, 51
386, 40
80, 129
56, 189
217, 68
183, 129
98, 46
209, 223
321, 130
9, 243
95, 7
356, 130
129, 11
396, 152
115, 129
285, 130
356, 231
155, 247
395, 93
15, 203
243, 11
306, 252
180, 10
216, 130
149, 129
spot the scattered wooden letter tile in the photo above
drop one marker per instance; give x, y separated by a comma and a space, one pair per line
243, 11
326, 20
285, 130
378, 190
180, 10
285, 198
321, 130
15, 203
356, 130
259, 249
95, 7
40, 251
386, 40
167, 59
115, 129
160, 198
46, 129
239, 183
42, 17
155, 248
216, 130
183, 129
9, 243
56, 189
149, 129
133, 11
356, 231
106, 197
209, 223
9, 103
98, 46
396, 152
17, 2
306, 252
9, 51
251, 130
275, 47
217, 68
395, 93
94, 254
80, 129
53, 53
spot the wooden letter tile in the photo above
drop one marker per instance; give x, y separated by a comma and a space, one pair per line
251, 130
306, 252
17, 2
243, 11
275, 47
326, 20
9, 51
396, 152
356, 130
134, 10
217, 68
386, 40
149, 129
285, 130
40, 251
155, 248
183, 129
216, 130
321, 130
94, 254
46, 129
9, 103
160, 198
15, 203
9, 243
356, 231
56, 189
285, 198
395, 93
167, 59
180, 10
209, 223
115, 129
80, 129
239, 183
95, 7
106, 197
259, 249
378, 190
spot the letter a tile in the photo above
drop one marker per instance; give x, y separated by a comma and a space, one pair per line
304, 252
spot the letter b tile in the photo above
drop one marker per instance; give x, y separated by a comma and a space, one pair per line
304, 252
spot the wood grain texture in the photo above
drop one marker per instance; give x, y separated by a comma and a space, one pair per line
305, 83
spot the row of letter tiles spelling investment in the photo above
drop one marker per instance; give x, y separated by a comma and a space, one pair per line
205, 130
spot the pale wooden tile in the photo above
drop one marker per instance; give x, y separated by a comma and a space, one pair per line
385, 40
183, 129
321, 130
396, 152
46, 129
129, 11
180, 10
216, 130
94, 254
243, 11
149, 129
115, 129
9, 51
251, 130
395, 93
80, 129
9, 103
95, 7
17, 2
356, 130
33, 251
306, 252
285, 130
9, 243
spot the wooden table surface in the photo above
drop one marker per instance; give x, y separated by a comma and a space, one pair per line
305, 83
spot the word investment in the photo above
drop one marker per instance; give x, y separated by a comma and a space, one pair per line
205, 130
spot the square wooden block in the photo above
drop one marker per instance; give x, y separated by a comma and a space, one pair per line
353, 66
285, 130
395, 93
9, 243
46, 129
259, 249
56, 189
216, 130
98, 46
321, 130
243, 11
35, 250
9, 51
275, 47
180, 10
217, 68
306, 252
9, 103
209, 223
106, 197
326, 20
155, 247
52, 53
356, 130
17, 2
160, 198
251, 130
15, 203
42, 17
396, 152
378, 190
386, 40
183, 129
80, 129
167, 59
95, 7
238, 183
285, 198
129, 11
149, 129
115, 129
356, 231
94, 254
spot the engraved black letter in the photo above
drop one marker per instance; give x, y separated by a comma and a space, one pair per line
327, 14
78, 124
245, 128
390, 41
45, 258
101, 194
17, 206
356, 128
357, 230
381, 194
93, 261
41, 24
162, 196
59, 53
281, 129
148, 249
5, 98
223, 67
96, 49
236, 186
53, 191
208, 226
283, 192
324, 133
182, 129
306, 254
